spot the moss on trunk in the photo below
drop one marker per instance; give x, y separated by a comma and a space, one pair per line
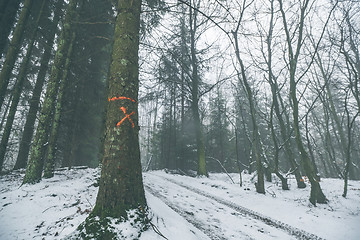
36, 161
121, 187
35, 99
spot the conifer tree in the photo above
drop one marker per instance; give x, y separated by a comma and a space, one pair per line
50, 154
36, 161
8, 9
35, 99
121, 187
18, 88
13, 50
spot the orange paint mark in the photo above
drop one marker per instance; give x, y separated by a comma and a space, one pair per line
127, 116
120, 98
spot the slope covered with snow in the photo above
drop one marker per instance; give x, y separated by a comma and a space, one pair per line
183, 207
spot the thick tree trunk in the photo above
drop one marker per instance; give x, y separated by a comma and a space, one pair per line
13, 50
35, 99
121, 187
36, 161
18, 88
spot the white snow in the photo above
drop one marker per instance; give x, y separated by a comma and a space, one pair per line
53, 208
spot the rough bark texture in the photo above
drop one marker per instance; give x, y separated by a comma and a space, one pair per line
36, 161
50, 155
121, 186
35, 99
13, 50
18, 89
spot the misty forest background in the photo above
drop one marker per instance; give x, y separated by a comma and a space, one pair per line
265, 86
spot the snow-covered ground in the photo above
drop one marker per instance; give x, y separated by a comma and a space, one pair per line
183, 208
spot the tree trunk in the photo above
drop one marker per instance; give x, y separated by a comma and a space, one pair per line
8, 11
18, 88
35, 99
256, 143
121, 187
200, 145
13, 50
36, 161
50, 155
316, 194
284, 184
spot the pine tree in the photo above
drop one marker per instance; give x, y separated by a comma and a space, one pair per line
36, 161
51, 148
35, 99
8, 9
13, 50
121, 188
18, 88
80, 128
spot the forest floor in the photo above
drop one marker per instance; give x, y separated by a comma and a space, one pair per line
183, 208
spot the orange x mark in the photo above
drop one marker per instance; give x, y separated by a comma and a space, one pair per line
127, 116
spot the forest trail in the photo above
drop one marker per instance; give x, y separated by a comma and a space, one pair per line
231, 220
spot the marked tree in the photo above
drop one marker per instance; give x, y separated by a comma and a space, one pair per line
121, 188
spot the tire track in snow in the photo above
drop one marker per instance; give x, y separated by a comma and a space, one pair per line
293, 231
197, 223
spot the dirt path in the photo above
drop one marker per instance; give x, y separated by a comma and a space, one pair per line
214, 231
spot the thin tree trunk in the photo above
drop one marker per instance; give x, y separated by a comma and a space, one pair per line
200, 145
275, 107
13, 50
284, 184
34, 103
5, 112
18, 88
51, 149
8, 11
350, 123
316, 194
36, 161
256, 148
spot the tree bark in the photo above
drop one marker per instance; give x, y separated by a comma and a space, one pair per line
35, 99
51, 148
36, 161
18, 88
121, 186
13, 50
